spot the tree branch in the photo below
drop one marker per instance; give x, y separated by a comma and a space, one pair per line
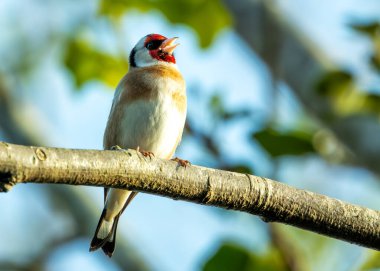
274, 201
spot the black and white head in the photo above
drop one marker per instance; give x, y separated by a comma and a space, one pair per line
153, 49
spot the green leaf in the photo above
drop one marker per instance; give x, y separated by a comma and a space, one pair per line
88, 63
206, 17
290, 143
369, 29
372, 262
334, 82
345, 97
232, 257
229, 257
372, 31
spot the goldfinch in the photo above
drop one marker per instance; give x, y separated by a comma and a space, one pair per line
148, 114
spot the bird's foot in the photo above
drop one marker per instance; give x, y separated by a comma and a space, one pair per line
145, 153
6, 182
116, 148
181, 162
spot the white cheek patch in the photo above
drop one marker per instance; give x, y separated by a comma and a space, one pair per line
144, 59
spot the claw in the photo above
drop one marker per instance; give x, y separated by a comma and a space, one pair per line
145, 153
181, 162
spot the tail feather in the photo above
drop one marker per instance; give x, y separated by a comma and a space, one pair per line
109, 247
105, 235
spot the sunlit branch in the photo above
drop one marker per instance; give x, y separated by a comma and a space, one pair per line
273, 201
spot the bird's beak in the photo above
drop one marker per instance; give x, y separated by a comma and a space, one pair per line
168, 45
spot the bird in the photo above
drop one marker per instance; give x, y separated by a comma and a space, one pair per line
148, 114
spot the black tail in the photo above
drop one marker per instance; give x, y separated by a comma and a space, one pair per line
108, 243
109, 246
107, 238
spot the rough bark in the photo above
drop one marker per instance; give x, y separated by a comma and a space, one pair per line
273, 201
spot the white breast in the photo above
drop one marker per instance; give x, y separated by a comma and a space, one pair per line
152, 125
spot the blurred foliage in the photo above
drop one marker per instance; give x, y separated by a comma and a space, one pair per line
345, 96
372, 31
330, 148
206, 17
204, 139
334, 82
341, 86
220, 111
308, 249
284, 143
372, 263
88, 63
369, 29
231, 257
240, 168
220, 114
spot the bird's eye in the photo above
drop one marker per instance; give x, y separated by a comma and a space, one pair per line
154, 44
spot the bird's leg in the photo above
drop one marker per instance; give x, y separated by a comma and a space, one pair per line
145, 153
181, 162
